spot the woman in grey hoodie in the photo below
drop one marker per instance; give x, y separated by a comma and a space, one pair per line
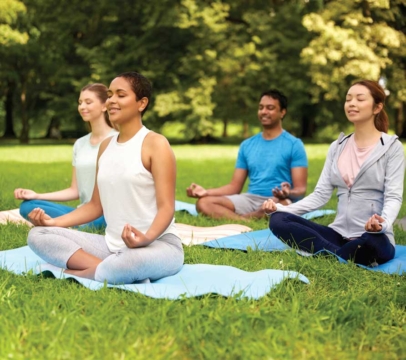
367, 169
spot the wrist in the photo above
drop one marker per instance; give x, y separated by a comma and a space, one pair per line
206, 193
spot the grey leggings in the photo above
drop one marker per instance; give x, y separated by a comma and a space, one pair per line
163, 257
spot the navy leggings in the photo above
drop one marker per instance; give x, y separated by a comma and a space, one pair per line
306, 235
54, 210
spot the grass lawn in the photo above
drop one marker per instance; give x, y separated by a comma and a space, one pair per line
345, 312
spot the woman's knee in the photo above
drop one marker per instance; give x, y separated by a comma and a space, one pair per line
379, 246
277, 220
120, 268
35, 237
26, 207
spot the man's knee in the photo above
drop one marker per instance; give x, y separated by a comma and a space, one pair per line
204, 205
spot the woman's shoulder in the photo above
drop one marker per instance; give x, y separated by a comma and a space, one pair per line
82, 140
153, 138
82, 143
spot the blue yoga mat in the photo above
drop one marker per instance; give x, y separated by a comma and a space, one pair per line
192, 280
396, 266
265, 240
184, 206
191, 209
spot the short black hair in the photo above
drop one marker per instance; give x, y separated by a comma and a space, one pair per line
140, 85
277, 95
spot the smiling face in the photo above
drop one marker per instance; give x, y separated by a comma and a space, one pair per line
122, 103
360, 106
269, 112
90, 107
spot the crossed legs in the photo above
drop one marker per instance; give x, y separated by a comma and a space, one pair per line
306, 235
221, 207
87, 255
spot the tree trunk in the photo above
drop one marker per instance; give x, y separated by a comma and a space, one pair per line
8, 106
24, 115
308, 124
53, 131
308, 127
225, 134
245, 130
399, 121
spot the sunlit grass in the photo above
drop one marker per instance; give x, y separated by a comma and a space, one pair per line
344, 313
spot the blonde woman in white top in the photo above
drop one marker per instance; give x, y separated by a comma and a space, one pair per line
92, 108
135, 189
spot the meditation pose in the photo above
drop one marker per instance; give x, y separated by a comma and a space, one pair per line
274, 160
135, 189
367, 169
93, 110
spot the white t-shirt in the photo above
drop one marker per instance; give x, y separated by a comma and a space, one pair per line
84, 160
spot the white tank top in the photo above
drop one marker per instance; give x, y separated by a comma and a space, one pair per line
127, 190
84, 160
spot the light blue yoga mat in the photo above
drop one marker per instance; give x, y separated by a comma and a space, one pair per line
317, 213
396, 266
191, 209
184, 206
262, 240
265, 240
192, 280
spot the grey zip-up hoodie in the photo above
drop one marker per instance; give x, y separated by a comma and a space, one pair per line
377, 189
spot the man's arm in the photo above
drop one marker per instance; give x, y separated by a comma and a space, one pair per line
234, 187
299, 180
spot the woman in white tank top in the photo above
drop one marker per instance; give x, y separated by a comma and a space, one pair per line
92, 108
135, 189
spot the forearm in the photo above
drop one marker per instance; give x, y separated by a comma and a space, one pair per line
297, 193
161, 222
82, 215
228, 189
393, 195
62, 195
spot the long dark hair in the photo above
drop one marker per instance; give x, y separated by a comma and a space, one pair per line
381, 119
100, 91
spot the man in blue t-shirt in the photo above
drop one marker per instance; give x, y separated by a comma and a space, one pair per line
274, 161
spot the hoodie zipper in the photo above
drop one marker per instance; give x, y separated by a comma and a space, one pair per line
348, 208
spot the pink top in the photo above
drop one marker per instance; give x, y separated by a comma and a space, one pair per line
351, 160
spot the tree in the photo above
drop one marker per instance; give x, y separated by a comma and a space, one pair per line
10, 10
352, 41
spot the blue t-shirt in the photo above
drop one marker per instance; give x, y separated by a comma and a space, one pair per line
269, 162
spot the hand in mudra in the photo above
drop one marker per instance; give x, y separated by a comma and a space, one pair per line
196, 191
282, 193
25, 194
269, 206
38, 217
374, 223
133, 238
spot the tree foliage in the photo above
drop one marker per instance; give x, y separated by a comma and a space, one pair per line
208, 60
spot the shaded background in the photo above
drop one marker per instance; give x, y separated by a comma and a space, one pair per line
208, 61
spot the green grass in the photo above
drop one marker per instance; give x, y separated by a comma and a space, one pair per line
344, 313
